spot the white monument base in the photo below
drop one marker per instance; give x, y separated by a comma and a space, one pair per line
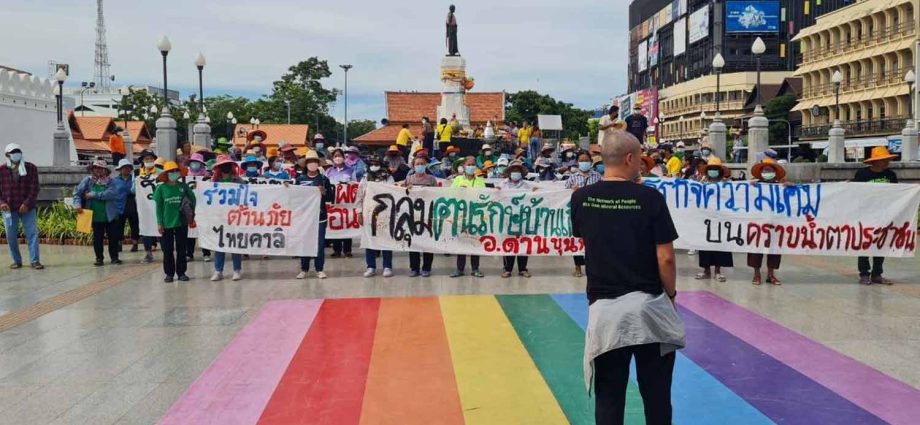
453, 71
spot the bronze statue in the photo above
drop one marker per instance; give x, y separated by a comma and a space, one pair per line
452, 49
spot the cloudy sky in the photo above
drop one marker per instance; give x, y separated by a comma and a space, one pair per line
574, 50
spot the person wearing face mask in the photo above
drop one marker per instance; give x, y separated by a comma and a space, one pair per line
468, 180
449, 161
766, 172
126, 202
226, 171
379, 174
568, 159
674, 160
340, 174
313, 177
598, 164
500, 168
255, 140
486, 154
148, 164
18, 195
99, 193
197, 166
395, 164
173, 230
585, 176
544, 164
184, 154
705, 151
276, 170
319, 144
420, 262
515, 181
353, 160
715, 172
252, 166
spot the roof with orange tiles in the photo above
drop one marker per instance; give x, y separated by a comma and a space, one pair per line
410, 107
385, 136
294, 134
91, 134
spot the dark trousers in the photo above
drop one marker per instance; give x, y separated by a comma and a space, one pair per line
755, 261
130, 217
877, 266
101, 230
579, 260
425, 258
148, 241
442, 148
174, 242
404, 151
611, 374
116, 157
521, 262
428, 144
461, 262
339, 245
190, 247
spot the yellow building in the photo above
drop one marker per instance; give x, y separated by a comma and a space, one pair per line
686, 109
871, 43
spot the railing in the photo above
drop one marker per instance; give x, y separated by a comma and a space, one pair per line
884, 35
724, 105
863, 82
888, 125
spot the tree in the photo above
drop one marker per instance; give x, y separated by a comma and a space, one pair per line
778, 109
524, 106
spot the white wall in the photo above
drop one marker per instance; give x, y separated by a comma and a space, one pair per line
28, 116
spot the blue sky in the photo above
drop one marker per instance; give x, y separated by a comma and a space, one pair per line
573, 50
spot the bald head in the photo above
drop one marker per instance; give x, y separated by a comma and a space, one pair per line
616, 146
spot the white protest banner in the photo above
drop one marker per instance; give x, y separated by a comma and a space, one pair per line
343, 213
258, 219
847, 219
147, 209
469, 221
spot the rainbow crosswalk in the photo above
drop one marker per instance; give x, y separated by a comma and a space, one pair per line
517, 359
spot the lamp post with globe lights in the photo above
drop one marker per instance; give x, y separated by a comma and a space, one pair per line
345, 133
836, 151
202, 129
909, 138
717, 131
758, 125
167, 137
61, 139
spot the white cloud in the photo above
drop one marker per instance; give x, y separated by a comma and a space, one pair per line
573, 50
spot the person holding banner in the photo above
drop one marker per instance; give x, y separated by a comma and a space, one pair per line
468, 179
226, 171
515, 181
353, 160
585, 176
252, 166
377, 173
150, 169
543, 165
171, 224
340, 174
314, 178
98, 193
275, 170
420, 263
876, 172
396, 165
766, 172
715, 173
197, 166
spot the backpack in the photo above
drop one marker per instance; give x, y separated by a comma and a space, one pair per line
186, 209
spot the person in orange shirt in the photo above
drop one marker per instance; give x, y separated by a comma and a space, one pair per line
117, 146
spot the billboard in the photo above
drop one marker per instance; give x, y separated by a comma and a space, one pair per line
643, 56
699, 24
752, 16
680, 36
653, 50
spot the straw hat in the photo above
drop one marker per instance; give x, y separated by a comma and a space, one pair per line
519, 151
486, 147
393, 149
649, 163
515, 165
311, 156
452, 149
252, 135
547, 147
716, 163
597, 159
168, 168
757, 169
487, 165
285, 147
100, 164
879, 153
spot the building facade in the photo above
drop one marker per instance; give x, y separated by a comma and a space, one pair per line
872, 43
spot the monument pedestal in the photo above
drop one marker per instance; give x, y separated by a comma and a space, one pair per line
201, 133
453, 72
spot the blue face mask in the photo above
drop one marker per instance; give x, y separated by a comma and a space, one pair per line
515, 176
319, 146
470, 170
16, 156
420, 169
600, 168
584, 166
173, 176
252, 170
194, 166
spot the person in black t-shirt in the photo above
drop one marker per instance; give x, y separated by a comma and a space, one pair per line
628, 235
876, 172
636, 124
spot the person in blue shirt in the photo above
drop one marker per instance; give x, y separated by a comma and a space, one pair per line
252, 167
276, 170
125, 203
99, 194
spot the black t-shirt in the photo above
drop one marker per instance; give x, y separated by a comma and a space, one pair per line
869, 176
622, 223
636, 125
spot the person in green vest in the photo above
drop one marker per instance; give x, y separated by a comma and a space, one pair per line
468, 179
98, 193
173, 230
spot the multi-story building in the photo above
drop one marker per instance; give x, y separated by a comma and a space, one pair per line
673, 42
872, 44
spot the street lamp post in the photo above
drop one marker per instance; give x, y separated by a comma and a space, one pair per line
85, 86
167, 138
60, 76
909, 151
345, 133
165, 46
758, 49
61, 147
199, 63
837, 78
836, 152
910, 78
230, 126
287, 103
717, 64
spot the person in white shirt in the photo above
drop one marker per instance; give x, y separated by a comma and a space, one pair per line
607, 123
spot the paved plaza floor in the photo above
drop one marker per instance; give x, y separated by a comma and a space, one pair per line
114, 344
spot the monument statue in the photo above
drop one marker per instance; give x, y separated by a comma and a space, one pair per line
452, 49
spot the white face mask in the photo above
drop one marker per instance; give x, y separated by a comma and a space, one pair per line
768, 175
149, 164
374, 168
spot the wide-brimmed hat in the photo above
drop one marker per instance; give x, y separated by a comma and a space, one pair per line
568, 147
285, 147
597, 159
421, 153
547, 147
311, 156
879, 153
486, 147
170, 167
224, 159
374, 159
251, 159
757, 169
145, 153
393, 149
705, 145
451, 149
124, 162
503, 161
221, 141
649, 162
716, 163
487, 165
159, 162
272, 151
518, 165
100, 164
519, 151
252, 135
353, 149
319, 136
197, 157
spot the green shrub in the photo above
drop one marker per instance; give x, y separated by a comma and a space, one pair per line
56, 222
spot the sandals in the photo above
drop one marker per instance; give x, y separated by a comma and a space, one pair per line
506, 274
703, 276
578, 273
757, 281
524, 273
774, 281
720, 277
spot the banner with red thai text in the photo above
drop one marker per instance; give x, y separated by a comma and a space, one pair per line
845, 219
258, 219
343, 213
469, 221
